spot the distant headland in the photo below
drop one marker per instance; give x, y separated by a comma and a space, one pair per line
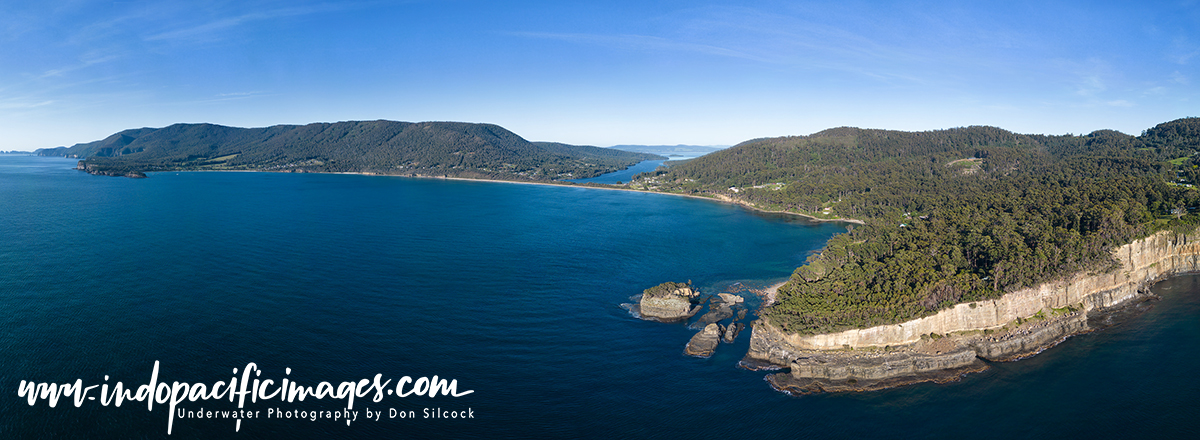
442, 149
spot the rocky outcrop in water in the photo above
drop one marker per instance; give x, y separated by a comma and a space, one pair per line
732, 331
729, 298
717, 311
668, 301
705, 342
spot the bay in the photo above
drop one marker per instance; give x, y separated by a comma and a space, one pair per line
624, 175
513, 290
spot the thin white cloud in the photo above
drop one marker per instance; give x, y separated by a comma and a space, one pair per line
833, 40
222, 97
1179, 78
1090, 86
642, 42
106, 28
1185, 58
15, 104
799, 54
791, 37
240, 94
88, 61
1183, 50
212, 29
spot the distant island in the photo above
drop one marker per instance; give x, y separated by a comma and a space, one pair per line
441, 149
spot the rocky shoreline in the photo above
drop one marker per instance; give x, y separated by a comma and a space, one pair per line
955, 368
723, 320
962, 340
722, 307
940, 359
97, 172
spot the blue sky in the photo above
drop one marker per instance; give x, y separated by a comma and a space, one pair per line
596, 73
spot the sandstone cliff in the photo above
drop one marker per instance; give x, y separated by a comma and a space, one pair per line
1018, 324
668, 302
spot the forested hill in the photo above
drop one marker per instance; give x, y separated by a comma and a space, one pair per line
951, 216
453, 149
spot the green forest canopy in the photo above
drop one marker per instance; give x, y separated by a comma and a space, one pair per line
454, 149
951, 216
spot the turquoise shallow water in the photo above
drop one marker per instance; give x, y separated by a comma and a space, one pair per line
513, 290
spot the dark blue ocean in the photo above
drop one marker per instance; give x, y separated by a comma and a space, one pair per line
512, 290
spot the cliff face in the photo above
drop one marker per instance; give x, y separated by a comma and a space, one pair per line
838, 372
822, 367
99, 172
1142, 262
1001, 329
668, 302
668, 308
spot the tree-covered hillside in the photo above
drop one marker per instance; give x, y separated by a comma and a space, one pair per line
429, 149
950, 216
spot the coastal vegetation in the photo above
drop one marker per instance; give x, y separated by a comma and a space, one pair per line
950, 216
449, 149
666, 289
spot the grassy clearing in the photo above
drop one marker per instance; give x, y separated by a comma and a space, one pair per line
964, 163
1061, 311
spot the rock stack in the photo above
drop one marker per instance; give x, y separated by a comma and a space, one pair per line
705, 342
668, 301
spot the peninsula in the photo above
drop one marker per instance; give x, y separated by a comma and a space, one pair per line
972, 242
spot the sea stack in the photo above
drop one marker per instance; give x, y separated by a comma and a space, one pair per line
705, 342
668, 301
